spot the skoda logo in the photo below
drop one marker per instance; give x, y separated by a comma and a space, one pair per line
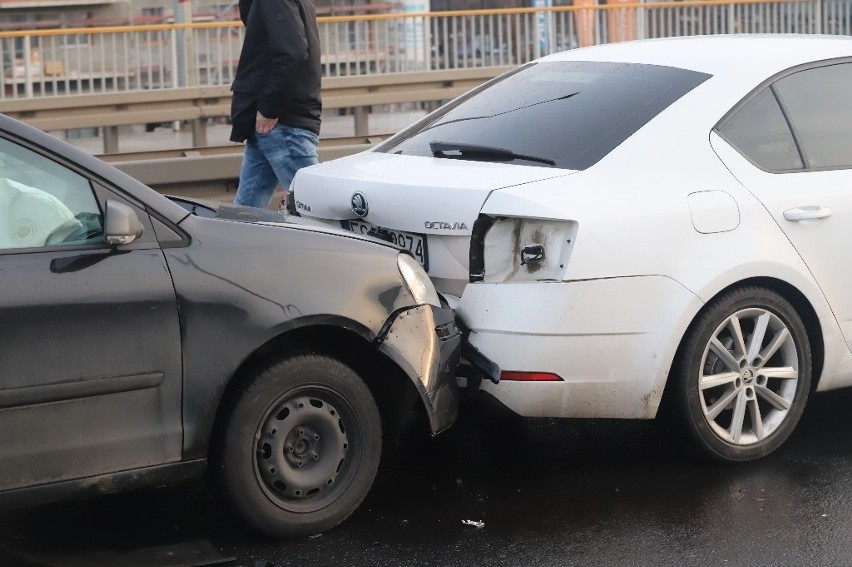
359, 205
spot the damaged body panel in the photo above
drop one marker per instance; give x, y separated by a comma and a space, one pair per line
425, 343
540, 249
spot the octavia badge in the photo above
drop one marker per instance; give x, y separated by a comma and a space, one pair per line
359, 205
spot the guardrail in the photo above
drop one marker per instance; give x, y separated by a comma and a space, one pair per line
197, 104
151, 57
212, 172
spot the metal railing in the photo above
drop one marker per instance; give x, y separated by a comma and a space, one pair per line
198, 104
212, 172
119, 59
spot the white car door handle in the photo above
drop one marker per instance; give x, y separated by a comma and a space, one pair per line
810, 212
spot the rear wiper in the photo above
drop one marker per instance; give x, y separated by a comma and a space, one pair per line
476, 152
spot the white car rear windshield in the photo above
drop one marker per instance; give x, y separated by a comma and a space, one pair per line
566, 114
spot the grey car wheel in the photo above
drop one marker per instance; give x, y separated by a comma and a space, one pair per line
298, 448
743, 375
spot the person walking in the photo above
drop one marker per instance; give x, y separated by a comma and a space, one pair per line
276, 103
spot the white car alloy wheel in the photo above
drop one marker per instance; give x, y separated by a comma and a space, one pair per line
743, 375
748, 377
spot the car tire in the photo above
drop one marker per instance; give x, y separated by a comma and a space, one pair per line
742, 376
298, 448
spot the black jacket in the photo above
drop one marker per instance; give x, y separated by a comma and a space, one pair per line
279, 69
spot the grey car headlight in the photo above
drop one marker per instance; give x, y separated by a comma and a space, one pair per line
417, 280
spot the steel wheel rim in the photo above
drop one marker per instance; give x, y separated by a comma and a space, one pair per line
749, 376
304, 452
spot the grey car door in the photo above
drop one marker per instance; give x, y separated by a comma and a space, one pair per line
90, 360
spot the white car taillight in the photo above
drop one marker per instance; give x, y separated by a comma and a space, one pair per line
521, 249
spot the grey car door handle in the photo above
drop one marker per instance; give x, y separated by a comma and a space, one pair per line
810, 212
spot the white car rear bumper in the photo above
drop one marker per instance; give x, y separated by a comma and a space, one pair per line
611, 340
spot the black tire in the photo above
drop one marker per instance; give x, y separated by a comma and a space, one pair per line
750, 406
297, 449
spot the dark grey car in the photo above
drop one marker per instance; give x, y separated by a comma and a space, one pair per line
144, 339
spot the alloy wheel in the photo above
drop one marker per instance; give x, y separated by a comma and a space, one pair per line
748, 376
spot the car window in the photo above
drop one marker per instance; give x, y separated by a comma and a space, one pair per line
818, 102
566, 114
760, 132
43, 203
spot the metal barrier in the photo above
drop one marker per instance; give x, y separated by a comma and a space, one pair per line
212, 172
152, 57
197, 104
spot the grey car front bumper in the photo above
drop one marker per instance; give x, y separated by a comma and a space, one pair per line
425, 342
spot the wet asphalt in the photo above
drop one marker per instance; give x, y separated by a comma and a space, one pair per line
549, 493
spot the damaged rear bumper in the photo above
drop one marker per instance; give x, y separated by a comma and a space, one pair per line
425, 342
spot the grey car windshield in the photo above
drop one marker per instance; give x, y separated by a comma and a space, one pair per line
566, 114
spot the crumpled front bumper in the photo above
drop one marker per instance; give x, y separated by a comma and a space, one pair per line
425, 342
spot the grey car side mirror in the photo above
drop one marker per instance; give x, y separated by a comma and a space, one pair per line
122, 224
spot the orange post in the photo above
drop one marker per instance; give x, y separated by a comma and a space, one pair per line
585, 23
621, 22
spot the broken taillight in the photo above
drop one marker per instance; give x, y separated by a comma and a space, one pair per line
509, 249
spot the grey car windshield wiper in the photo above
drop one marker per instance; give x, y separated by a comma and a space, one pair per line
476, 152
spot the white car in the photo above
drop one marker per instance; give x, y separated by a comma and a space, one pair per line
635, 227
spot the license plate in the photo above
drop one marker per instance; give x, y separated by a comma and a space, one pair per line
412, 242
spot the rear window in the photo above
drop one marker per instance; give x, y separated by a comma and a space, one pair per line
566, 114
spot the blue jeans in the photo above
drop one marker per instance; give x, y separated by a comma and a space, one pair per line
273, 158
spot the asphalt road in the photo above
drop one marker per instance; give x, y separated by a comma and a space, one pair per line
549, 492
